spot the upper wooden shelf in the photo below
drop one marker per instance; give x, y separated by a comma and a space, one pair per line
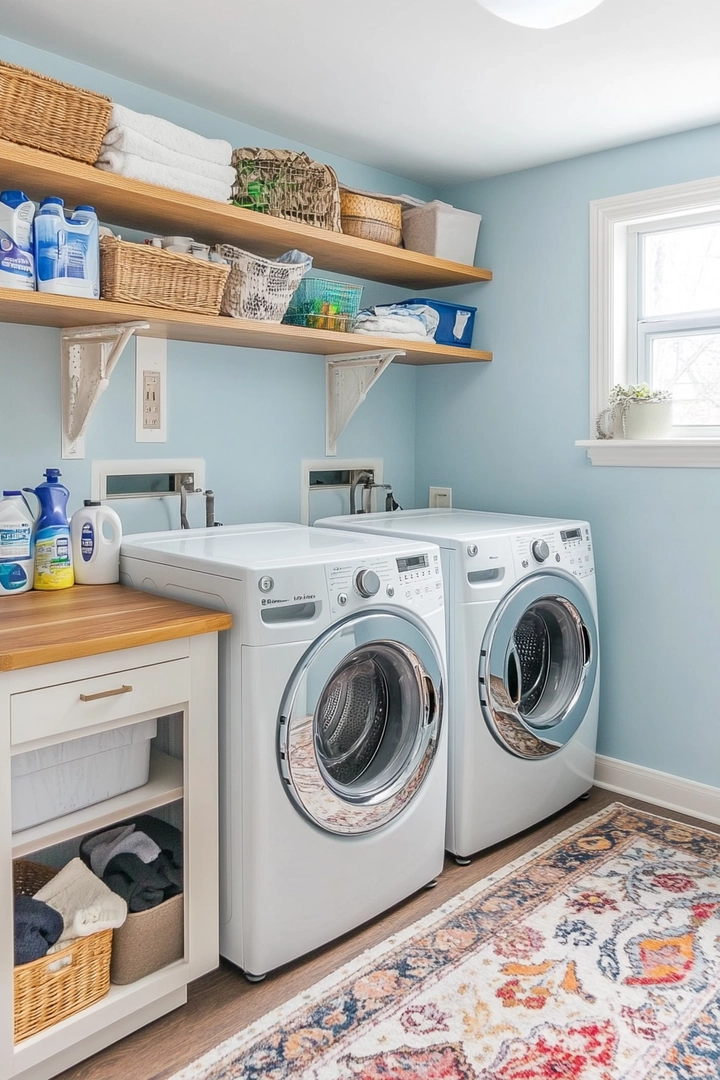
44, 309
136, 205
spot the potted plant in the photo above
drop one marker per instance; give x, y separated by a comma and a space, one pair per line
636, 412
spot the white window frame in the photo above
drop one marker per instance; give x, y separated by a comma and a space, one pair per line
614, 224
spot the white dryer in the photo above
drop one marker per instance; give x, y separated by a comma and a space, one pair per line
333, 746
523, 671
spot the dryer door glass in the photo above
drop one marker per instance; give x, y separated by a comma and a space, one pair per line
538, 665
360, 721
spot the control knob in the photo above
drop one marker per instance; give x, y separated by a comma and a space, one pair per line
367, 583
540, 550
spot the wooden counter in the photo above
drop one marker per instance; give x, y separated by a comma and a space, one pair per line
44, 627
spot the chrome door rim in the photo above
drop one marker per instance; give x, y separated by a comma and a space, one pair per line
305, 779
502, 715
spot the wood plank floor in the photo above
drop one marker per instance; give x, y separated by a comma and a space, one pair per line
223, 1002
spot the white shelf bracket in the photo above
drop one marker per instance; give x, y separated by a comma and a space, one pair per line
88, 358
349, 377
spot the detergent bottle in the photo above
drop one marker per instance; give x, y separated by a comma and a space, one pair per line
53, 555
17, 263
17, 544
67, 256
96, 532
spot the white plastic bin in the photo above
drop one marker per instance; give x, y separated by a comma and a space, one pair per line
439, 229
67, 776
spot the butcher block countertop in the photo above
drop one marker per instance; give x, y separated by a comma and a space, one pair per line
44, 627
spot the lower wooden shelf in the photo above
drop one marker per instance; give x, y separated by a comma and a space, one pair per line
44, 309
165, 785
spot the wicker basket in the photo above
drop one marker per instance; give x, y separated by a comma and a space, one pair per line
324, 304
258, 288
287, 185
49, 115
81, 974
371, 219
147, 941
142, 274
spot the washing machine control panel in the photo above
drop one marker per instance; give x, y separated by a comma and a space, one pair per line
413, 580
569, 548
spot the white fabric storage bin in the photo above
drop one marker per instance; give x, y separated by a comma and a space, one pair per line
439, 229
58, 779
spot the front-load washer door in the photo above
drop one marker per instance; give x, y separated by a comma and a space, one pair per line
360, 721
538, 665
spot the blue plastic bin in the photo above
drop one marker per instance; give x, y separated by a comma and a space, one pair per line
456, 321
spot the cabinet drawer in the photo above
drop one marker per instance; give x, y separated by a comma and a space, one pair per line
67, 707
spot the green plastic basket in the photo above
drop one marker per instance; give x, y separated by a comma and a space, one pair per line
324, 304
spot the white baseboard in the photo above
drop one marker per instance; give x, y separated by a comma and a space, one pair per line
663, 789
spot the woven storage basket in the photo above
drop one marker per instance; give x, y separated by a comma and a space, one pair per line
371, 219
142, 274
44, 997
49, 115
147, 941
287, 185
258, 288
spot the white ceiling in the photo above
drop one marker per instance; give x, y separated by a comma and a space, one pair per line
436, 90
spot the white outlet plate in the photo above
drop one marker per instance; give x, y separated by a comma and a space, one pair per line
440, 497
150, 389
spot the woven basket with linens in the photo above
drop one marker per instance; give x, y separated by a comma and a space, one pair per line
287, 185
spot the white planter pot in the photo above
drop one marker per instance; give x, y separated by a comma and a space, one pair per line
647, 420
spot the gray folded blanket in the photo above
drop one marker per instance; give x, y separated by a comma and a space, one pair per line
127, 866
37, 927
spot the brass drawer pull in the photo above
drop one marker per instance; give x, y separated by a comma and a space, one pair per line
106, 693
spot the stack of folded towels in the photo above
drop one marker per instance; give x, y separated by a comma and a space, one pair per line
416, 322
144, 147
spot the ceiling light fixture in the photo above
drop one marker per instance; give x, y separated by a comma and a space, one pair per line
539, 14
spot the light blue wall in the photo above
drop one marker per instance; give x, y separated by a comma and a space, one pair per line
502, 435
253, 415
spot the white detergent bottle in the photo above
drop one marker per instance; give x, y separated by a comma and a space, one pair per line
17, 544
67, 255
95, 535
17, 261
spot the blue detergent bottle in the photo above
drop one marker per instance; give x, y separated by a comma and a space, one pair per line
53, 554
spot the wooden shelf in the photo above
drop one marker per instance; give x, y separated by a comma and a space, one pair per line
137, 205
165, 785
44, 309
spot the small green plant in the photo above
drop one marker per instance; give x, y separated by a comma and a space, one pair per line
622, 397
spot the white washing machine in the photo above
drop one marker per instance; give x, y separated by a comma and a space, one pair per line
332, 733
523, 670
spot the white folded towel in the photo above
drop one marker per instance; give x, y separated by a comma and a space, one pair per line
84, 901
137, 168
132, 142
172, 136
406, 335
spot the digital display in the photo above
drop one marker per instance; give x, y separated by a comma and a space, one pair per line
571, 534
412, 562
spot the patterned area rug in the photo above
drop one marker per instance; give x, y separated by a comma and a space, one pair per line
595, 957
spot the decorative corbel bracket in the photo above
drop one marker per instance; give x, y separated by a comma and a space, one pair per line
88, 358
349, 377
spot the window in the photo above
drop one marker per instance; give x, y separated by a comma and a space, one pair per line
655, 316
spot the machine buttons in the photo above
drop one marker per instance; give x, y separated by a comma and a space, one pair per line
540, 550
472, 550
367, 583
342, 599
557, 556
390, 590
265, 584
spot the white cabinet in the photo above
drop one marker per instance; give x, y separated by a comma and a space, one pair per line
53, 702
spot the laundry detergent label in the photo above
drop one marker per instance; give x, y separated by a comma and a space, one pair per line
12, 577
53, 559
16, 266
15, 542
87, 542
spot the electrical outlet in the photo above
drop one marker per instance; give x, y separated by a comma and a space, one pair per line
440, 497
150, 390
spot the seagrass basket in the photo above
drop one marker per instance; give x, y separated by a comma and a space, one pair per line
50, 115
287, 185
54, 987
371, 219
142, 274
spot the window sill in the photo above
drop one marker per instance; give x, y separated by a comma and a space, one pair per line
654, 453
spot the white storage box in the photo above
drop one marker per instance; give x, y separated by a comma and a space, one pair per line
58, 779
439, 229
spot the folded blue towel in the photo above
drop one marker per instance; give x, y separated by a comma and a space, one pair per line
37, 927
